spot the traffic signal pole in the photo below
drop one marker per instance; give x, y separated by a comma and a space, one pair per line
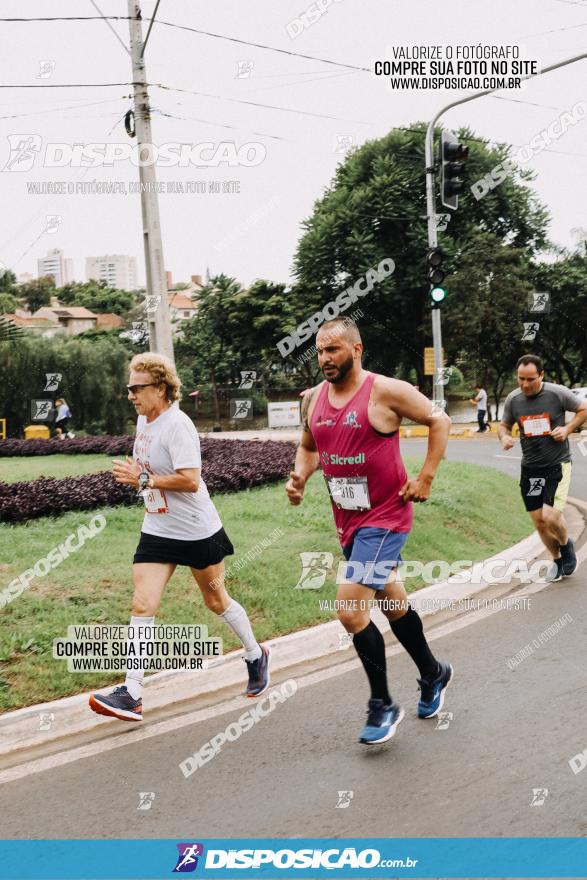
438, 389
160, 339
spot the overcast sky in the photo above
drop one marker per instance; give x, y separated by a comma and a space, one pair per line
254, 233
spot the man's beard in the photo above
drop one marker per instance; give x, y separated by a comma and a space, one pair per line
342, 371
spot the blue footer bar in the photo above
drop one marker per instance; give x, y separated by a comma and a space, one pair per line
299, 857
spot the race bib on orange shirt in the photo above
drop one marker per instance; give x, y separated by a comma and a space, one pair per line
155, 501
536, 425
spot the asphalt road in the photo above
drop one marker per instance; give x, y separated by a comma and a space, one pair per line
511, 731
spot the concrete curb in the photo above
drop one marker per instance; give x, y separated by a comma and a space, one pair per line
21, 729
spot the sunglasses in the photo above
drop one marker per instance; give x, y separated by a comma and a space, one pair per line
134, 388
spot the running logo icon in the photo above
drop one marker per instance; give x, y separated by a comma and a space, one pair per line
40, 410
539, 301
530, 331
351, 420
539, 795
52, 381
188, 857
248, 377
536, 486
344, 799
444, 719
146, 799
23, 151
315, 567
241, 409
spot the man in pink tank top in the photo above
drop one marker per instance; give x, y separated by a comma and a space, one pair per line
351, 429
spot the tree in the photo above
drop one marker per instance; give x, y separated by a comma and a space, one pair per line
374, 209
38, 292
206, 343
8, 303
562, 337
93, 379
97, 297
7, 280
485, 312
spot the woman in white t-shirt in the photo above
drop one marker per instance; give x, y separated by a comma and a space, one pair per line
181, 527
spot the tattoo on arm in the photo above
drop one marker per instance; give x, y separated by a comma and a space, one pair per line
306, 408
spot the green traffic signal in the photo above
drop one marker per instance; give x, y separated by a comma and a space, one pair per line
437, 295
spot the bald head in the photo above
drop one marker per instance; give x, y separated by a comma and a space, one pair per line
344, 328
339, 347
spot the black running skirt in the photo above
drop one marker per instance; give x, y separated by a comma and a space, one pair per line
195, 554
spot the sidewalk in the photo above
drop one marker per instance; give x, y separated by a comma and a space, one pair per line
20, 730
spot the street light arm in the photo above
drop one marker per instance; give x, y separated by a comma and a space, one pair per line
431, 201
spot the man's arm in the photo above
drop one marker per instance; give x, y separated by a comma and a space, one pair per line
409, 403
561, 433
504, 432
307, 458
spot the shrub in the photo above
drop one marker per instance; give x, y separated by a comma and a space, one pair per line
227, 465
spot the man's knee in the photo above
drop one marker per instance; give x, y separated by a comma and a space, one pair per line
353, 619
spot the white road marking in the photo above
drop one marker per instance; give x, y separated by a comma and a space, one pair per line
511, 457
235, 704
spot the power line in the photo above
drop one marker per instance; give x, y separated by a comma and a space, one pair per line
150, 28
275, 137
70, 107
65, 85
257, 104
184, 27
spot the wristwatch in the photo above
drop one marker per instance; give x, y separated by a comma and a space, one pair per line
144, 481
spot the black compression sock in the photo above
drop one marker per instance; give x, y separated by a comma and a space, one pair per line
370, 647
409, 631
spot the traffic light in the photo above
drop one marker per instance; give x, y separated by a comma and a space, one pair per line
437, 295
453, 156
434, 259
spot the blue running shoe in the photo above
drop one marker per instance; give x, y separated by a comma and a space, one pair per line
382, 721
569, 558
258, 673
433, 692
119, 704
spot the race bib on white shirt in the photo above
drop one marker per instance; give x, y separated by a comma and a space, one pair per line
155, 501
536, 425
349, 493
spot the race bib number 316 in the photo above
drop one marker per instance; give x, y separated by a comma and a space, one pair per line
349, 493
536, 426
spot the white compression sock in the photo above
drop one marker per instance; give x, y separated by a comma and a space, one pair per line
134, 677
236, 619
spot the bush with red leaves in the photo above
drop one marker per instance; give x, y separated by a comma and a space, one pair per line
227, 466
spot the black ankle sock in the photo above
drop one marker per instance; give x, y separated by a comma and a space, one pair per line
409, 631
370, 647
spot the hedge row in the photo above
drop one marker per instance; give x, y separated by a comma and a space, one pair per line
227, 465
76, 446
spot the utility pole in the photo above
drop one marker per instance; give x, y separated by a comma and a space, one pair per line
438, 392
159, 322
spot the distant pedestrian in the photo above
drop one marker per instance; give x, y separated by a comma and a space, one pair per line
63, 417
480, 401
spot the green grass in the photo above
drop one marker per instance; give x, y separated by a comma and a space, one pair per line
24, 467
472, 513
